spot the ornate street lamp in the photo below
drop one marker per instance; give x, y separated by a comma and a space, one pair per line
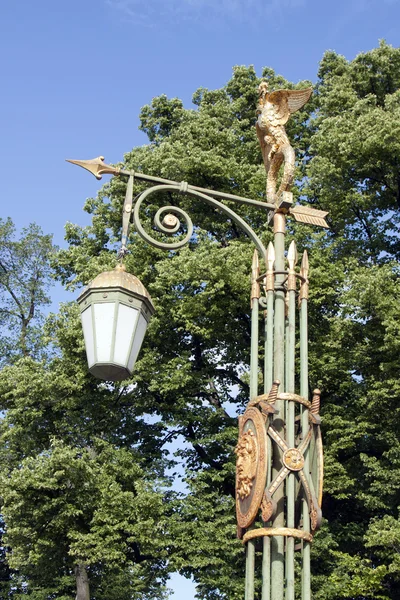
115, 311
279, 453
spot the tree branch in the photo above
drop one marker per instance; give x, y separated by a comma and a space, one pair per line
190, 433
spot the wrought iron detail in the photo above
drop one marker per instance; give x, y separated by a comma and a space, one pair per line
188, 222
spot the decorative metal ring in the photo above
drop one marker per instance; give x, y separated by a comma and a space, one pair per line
261, 278
278, 531
294, 398
293, 459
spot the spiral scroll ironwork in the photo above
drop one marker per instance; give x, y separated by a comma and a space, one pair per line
174, 210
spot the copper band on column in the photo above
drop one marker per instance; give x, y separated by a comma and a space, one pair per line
303, 295
269, 281
274, 391
316, 401
291, 282
279, 223
304, 288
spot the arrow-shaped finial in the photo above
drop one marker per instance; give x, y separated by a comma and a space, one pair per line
309, 215
270, 257
96, 166
304, 265
292, 256
255, 273
304, 273
269, 280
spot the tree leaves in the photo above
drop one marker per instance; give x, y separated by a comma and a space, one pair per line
25, 279
191, 377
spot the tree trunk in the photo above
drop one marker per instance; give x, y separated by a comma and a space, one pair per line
82, 583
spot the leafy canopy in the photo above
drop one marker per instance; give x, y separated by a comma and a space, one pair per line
191, 376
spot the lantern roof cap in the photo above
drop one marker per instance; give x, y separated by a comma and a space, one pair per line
118, 278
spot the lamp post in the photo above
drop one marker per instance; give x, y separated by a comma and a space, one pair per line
279, 451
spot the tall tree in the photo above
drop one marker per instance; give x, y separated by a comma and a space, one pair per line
25, 279
70, 510
84, 503
191, 375
354, 173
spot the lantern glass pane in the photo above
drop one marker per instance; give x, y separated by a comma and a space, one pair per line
87, 325
104, 321
137, 342
127, 317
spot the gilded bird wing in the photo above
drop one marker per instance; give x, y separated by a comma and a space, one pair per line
282, 103
297, 98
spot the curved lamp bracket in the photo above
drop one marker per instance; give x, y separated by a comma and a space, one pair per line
169, 225
171, 222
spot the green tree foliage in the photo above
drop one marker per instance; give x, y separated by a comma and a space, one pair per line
77, 500
354, 174
54, 399
69, 510
191, 375
25, 279
355, 168
198, 342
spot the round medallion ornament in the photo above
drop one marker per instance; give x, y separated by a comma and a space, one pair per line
293, 459
170, 221
251, 466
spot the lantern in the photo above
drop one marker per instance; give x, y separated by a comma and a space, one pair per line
115, 311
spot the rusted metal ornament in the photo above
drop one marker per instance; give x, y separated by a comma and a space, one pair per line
268, 507
251, 466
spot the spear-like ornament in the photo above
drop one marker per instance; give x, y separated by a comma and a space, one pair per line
96, 166
255, 273
292, 258
303, 295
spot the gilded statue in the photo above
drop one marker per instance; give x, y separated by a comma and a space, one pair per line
246, 463
274, 110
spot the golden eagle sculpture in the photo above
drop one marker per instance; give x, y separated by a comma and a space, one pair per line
274, 110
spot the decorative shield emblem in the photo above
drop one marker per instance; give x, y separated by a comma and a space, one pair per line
251, 466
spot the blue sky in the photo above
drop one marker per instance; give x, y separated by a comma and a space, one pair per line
74, 75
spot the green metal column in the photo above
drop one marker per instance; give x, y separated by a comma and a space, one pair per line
250, 565
255, 296
269, 323
277, 543
290, 415
306, 568
268, 379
